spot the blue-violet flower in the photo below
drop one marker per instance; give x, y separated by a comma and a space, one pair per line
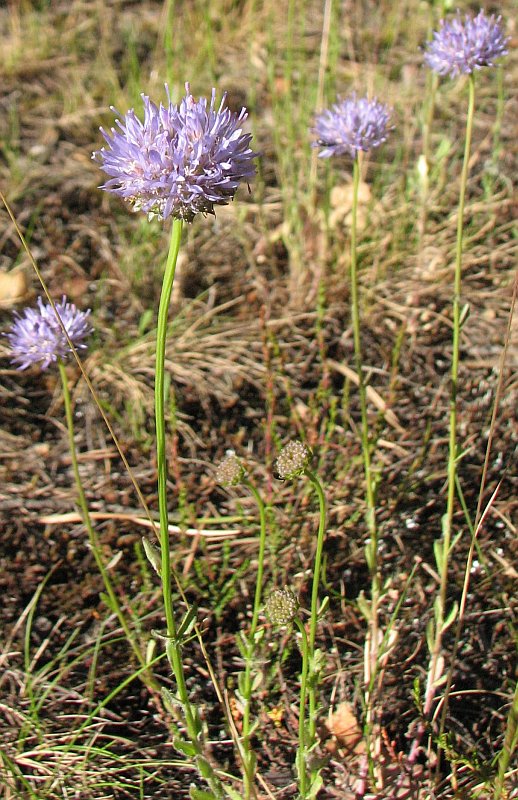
351, 125
180, 160
462, 46
36, 337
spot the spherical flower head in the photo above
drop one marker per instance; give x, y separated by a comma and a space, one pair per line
230, 471
36, 337
292, 461
351, 125
464, 45
281, 606
181, 160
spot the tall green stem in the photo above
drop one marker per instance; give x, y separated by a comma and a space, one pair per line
161, 337
303, 744
173, 646
452, 454
249, 758
371, 549
355, 320
92, 535
313, 673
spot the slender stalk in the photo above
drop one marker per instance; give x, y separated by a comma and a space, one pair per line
303, 744
313, 676
452, 454
371, 550
165, 298
92, 535
355, 320
173, 645
248, 757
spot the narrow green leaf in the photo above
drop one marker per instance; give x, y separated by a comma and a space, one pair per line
452, 615
201, 794
438, 551
153, 555
187, 748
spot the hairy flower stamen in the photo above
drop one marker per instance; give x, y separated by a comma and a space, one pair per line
181, 160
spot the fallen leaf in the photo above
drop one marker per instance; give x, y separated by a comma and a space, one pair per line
13, 287
343, 725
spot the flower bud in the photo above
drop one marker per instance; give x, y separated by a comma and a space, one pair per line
281, 606
231, 471
292, 461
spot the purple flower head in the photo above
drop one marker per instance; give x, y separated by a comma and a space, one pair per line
36, 337
351, 125
180, 160
462, 46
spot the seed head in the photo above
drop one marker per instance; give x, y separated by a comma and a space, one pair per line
292, 461
231, 471
351, 125
464, 45
181, 160
281, 606
36, 337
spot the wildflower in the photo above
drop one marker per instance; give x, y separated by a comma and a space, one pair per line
292, 461
36, 337
462, 46
351, 125
281, 606
181, 160
231, 471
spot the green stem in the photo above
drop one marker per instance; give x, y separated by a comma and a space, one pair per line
260, 557
302, 749
312, 689
249, 760
173, 646
161, 337
355, 320
452, 454
371, 550
92, 535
